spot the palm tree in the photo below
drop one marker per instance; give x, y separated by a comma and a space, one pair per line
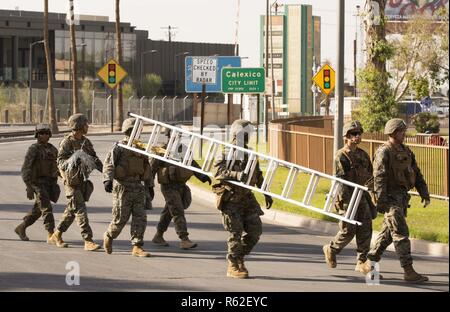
73, 47
119, 118
51, 99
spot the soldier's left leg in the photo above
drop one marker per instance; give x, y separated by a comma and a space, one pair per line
46, 209
138, 219
234, 225
396, 222
81, 215
343, 237
363, 232
34, 214
175, 206
253, 231
383, 240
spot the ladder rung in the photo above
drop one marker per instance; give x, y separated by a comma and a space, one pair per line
133, 132
209, 159
351, 204
355, 207
269, 175
252, 161
311, 189
331, 196
230, 158
170, 144
153, 137
288, 186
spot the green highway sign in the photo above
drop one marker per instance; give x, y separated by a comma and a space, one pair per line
243, 80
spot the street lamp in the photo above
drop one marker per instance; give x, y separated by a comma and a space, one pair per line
30, 65
175, 70
142, 65
70, 72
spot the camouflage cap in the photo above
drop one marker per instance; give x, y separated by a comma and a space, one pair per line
128, 124
42, 127
77, 121
393, 125
238, 125
352, 126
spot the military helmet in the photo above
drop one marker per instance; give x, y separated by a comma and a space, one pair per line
42, 128
128, 124
77, 121
238, 125
393, 125
353, 125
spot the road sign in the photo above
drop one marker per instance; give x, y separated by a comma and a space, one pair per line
243, 80
112, 73
196, 66
204, 70
325, 79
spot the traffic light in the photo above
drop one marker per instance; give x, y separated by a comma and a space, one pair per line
112, 73
326, 79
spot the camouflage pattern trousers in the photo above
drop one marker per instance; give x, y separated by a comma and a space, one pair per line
178, 198
76, 208
241, 218
394, 229
42, 207
362, 232
128, 201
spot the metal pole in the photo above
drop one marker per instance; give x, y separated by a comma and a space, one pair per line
202, 114
257, 119
30, 94
140, 105
112, 110
184, 107
173, 108
339, 103
153, 106
93, 106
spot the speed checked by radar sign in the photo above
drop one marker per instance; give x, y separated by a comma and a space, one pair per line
243, 80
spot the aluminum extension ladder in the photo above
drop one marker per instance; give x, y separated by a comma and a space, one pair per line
170, 156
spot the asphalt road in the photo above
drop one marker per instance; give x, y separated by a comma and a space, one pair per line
285, 260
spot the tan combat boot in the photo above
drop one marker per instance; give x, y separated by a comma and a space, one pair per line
89, 245
363, 267
139, 252
234, 271
186, 243
412, 276
49, 238
57, 239
20, 230
158, 239
107, 243
241, 265
330, 257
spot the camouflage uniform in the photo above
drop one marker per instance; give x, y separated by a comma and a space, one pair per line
76, 207
392, 186
240, 210
40, 174
353, 166
128, 169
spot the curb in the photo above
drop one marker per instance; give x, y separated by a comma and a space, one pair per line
322, 227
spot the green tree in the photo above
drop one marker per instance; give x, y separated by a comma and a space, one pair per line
420, 87
426, 122
87, 86
378, 104
128, 90
151, 84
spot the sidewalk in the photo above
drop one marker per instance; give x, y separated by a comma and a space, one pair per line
326, 228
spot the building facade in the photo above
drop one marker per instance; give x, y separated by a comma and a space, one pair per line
296, 45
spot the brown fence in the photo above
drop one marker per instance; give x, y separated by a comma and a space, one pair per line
312, 147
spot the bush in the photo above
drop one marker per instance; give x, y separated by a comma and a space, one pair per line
426, 122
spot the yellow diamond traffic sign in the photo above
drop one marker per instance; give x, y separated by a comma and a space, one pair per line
325, 79
112, 73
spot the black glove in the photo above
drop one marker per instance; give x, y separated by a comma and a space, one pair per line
30, 192
100, 167
269, 201
151, 192
108, 186
425, 201
204, 178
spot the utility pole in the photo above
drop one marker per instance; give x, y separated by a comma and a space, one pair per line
355, 51
266, 109
170, 31
339, 103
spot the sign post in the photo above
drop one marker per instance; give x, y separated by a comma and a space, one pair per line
112, 74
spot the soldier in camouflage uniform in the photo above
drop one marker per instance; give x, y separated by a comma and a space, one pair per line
354, 165
240, 210
77, 189
128, 170
40, 174
395, 173
178, 198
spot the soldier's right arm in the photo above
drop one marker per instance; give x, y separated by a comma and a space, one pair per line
108, 165
220, 169
381, 174
342, 167
27, 167
64, 152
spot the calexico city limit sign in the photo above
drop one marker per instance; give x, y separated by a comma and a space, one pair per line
243, 80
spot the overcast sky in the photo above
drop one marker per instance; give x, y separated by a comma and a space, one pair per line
210, 21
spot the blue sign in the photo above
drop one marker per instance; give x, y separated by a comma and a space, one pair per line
207, 69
